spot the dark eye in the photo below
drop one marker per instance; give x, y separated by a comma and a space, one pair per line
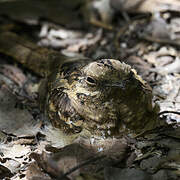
90, 80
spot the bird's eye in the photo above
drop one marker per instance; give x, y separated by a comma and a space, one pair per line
90, 80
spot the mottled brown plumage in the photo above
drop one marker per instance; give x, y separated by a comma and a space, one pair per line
105, 97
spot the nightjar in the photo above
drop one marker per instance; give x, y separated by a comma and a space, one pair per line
105, 97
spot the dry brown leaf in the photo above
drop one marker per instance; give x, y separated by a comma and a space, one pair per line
34, 172
15, 120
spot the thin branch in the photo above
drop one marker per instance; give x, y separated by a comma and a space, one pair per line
165, 112
80, 166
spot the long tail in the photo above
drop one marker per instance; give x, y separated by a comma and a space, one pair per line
35, 58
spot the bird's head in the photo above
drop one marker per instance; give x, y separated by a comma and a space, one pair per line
105, 97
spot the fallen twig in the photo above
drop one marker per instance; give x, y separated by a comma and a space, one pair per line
165, 112
89, 161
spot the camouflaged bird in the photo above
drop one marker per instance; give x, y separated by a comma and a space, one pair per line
105, 97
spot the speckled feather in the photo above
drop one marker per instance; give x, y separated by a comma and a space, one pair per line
105, 97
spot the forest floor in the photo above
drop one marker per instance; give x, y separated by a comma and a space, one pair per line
148, 41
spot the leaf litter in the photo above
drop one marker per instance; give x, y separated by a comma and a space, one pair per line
31, 148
